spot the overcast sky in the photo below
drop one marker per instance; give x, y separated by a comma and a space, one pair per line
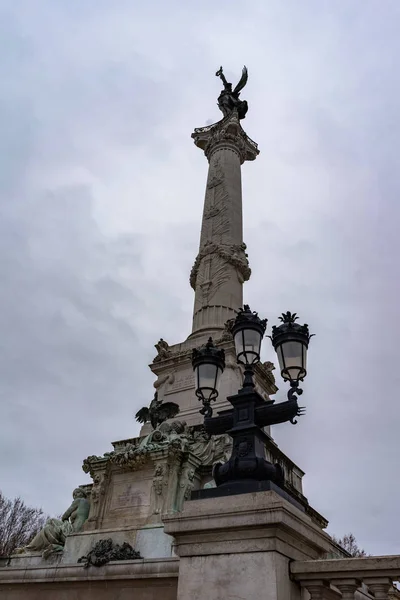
101, 201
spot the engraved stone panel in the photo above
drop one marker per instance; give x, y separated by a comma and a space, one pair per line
127, 495
128, 501
183, 381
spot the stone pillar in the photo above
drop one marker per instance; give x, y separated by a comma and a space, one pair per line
320, 590
221, 265
347, 587
379, 586
239, 547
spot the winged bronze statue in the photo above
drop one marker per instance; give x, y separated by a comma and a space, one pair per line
157, 412
229, 99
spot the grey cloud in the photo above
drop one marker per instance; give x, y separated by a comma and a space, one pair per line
101, 199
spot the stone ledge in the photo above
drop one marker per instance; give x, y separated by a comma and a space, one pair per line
256, 522
252, 509
359, 568
34, 559
127, 569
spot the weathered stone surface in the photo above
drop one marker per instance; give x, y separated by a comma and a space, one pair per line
236, 577
240, 547
384, 566
142, 580
153, 542
146, 477
80, 544
127, 501
22, 561
261, 521
372, 575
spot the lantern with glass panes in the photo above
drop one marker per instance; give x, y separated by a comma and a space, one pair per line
208, 364
290, 341
247, 469
248, 331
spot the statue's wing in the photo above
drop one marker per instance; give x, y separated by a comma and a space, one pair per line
143, 415
168, 410
242, 82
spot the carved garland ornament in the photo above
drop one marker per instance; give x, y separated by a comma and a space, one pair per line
174, 437
105, 551
234, 255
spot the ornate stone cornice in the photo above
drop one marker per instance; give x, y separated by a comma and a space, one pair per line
170, 439
94, 463
183, 353
228, 134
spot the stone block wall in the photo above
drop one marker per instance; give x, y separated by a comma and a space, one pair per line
140, 579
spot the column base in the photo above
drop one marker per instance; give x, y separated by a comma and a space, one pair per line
240, 546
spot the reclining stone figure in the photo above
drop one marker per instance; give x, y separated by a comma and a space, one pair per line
52, 537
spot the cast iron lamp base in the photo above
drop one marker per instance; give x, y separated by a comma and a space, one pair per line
244, 487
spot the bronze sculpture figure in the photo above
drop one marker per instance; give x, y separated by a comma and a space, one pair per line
228, 99
157, 412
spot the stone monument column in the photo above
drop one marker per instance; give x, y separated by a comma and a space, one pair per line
221, 265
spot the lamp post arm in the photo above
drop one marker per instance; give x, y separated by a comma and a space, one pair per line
219, 425
273, 414
266, 414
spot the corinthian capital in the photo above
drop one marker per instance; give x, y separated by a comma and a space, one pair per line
226, 134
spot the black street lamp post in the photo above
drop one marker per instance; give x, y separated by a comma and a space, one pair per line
247, 469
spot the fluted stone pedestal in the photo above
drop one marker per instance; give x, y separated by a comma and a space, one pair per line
239, 547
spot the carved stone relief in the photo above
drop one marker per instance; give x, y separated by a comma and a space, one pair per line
163, 350
210, 271
226, 133
173, 451
131, 457
210, 450
98, 487
184, 381
228, 254
98, 491
160, 482
163, 382
186, 484
212, 275
216, 222
231, 136
105, 551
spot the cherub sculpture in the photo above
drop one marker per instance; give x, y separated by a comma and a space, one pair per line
157, 412
228, 99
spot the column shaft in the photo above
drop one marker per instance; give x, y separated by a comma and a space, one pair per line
221, 265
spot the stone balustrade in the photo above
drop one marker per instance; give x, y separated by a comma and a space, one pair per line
348, 579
